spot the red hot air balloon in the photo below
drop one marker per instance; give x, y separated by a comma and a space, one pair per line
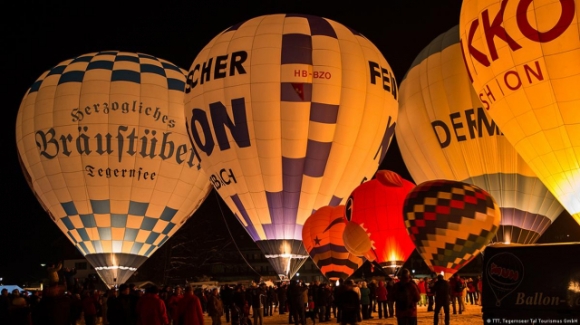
450, 222
322, 237
377, 207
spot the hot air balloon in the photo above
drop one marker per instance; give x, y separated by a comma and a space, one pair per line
377, 207
322, 238
445, 133
523, 58
276, 107
450, 222
103, 144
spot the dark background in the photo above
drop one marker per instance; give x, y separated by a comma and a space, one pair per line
38, 35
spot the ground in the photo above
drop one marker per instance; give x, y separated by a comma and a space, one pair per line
471, 316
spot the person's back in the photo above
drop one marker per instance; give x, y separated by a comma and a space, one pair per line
214, 307
89, 308
390, 285
113, 311
365, 300
372, 288
151, 309
256, 299
19, 311
349, 303
406, 295
442, 291
189, 309
4, 306
456, 287
119, 308
296, 302
365, 295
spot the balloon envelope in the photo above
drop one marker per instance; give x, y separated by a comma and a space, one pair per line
357, 241
322, 237
276, 107
377, 207
527, 77
103, 145
444, 132
450, 223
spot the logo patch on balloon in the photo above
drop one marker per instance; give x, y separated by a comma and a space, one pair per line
504, 272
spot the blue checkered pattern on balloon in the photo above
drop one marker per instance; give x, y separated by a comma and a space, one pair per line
74, 70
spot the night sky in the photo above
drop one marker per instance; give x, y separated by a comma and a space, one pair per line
38, 36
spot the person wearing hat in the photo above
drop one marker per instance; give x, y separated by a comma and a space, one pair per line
406, 296
441, 290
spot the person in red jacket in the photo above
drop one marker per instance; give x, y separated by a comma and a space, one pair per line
479, 286
189, 309
174, 303
382, 299
457, 285
151, 309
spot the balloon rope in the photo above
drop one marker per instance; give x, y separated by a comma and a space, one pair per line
232, 237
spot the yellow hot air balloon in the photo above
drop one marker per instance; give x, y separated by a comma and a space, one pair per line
443, 132
524, 60
289, 113
103, 144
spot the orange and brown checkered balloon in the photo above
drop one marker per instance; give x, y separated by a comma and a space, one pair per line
450, 222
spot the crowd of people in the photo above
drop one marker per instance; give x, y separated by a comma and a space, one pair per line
346, 303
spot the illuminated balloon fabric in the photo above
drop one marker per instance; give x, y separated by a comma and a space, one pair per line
322, 237
357, 241
444, 133
276, 106
526, 71
450, 222
377, 207
103, 145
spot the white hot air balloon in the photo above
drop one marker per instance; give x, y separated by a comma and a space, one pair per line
102, 142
